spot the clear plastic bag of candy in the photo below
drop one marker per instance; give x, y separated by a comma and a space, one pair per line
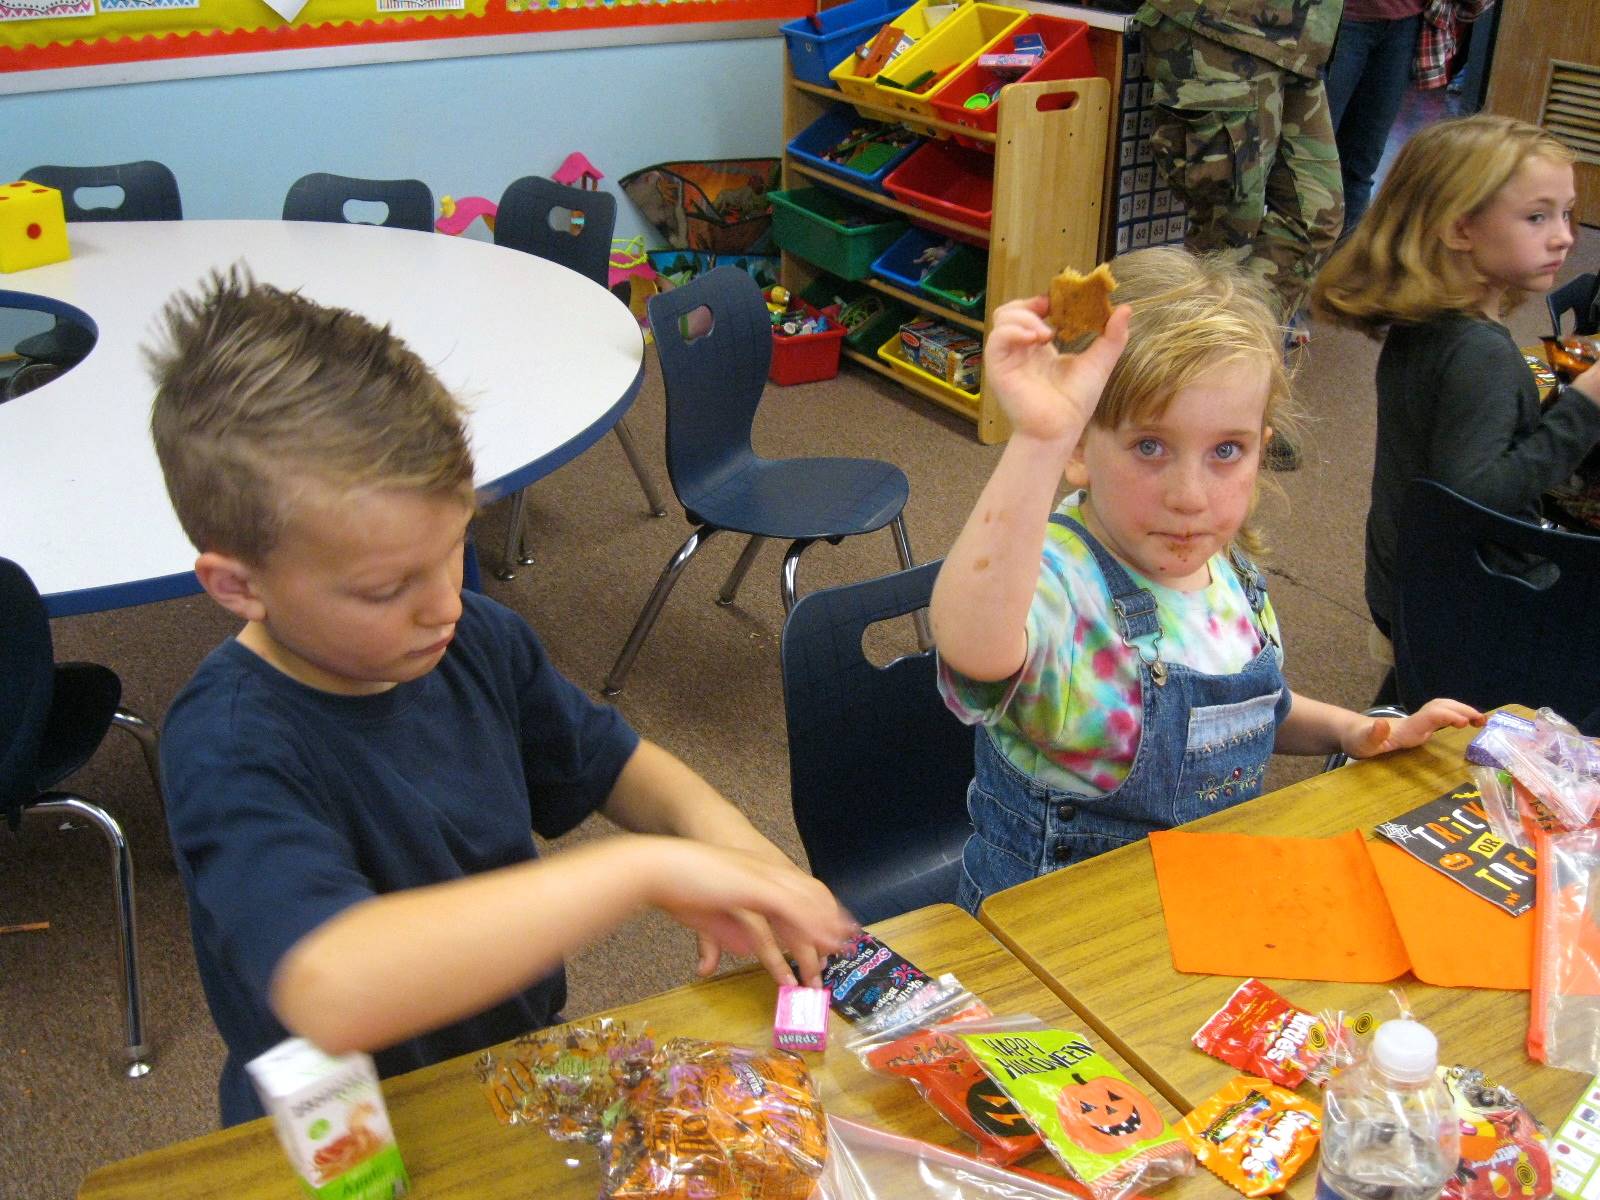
1535, 776
1504, 1151
925, 1051
1101, 1127
684, 1121
1564, 1007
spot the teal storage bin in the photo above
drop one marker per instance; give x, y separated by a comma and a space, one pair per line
825, 229
960, 280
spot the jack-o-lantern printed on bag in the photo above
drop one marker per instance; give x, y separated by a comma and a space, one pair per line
1108, 1133
1106, 1114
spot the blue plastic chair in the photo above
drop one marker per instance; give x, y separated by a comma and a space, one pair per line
322, 197
714, 381
878, 765
1581, 297
149, 193
1467, 628
524, 221
53, 717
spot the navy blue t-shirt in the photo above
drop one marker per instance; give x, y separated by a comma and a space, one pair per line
288, 805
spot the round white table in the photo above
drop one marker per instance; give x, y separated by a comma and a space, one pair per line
545, 359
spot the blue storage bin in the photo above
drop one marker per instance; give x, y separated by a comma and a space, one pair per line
898, 264
813, 51
816, 139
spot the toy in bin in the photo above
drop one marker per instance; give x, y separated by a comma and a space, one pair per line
805, 342
953, 355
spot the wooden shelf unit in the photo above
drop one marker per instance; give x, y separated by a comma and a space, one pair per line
1050, 189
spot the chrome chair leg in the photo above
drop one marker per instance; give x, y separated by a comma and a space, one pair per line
651, 496
516, 551
149, 745
747, 556
790, 575
1338, 758
652, 608
60, 804
902, 548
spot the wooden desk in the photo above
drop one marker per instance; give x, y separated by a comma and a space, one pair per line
454, 1147
1095, 934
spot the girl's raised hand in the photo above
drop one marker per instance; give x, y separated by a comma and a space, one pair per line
1380, 735
1047, 394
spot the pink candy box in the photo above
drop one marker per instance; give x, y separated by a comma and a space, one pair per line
802, 1019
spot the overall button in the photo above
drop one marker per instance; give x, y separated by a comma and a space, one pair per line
1061, 852
1065, 812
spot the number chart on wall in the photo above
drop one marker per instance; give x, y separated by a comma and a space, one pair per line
42, 35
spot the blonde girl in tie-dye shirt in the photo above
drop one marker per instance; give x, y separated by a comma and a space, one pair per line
1120, 656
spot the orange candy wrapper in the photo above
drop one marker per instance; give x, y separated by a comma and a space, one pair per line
1253, 1135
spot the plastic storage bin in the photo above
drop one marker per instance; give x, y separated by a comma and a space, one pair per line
893, 353
960, 281
826, 229
913, 23
1066, 56
951, 180
806, 357
818, 43
945, 53
898, 264
836, 125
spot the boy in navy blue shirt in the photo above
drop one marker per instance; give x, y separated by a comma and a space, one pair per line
352, 780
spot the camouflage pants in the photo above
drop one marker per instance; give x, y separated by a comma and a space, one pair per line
1250, 148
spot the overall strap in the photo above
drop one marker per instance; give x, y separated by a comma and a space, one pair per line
1254, 581
1133, 607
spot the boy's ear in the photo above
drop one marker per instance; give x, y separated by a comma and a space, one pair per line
231, 583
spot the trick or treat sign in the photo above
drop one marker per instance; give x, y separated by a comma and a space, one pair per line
1452, 835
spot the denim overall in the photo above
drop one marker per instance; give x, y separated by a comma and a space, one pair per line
1203, 747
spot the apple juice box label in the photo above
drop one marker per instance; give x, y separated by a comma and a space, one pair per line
1092, 1118
331, 1121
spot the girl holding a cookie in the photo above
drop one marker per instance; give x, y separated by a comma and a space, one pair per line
1118, 651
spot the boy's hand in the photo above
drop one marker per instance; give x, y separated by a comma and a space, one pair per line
1379, 735
1046, 394
747, 904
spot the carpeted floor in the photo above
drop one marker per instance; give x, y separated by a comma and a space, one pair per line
706, 686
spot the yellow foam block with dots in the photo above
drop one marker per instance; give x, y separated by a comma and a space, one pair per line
33, 226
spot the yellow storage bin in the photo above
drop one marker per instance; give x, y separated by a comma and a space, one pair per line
893, 353
952, 47
914, 24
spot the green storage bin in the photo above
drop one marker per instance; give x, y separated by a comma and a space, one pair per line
825, 229
960, 280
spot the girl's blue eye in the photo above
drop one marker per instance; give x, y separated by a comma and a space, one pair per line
1148, 447
1229, 451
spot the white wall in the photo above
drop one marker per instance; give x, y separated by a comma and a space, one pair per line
467, 126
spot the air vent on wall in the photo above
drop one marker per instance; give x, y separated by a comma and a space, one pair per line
1572, 107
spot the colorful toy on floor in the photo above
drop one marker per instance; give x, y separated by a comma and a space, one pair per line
455, 215
33, 226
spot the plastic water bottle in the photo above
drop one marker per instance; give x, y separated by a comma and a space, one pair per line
1389, 1131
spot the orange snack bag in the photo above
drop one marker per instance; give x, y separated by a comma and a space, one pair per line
1253, 1135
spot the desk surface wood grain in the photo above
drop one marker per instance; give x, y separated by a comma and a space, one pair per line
1096, 935
454, 1147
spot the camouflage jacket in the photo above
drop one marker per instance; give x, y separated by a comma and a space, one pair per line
1296, 35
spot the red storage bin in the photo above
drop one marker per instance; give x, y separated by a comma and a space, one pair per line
943, 178
807, 357
1066, 56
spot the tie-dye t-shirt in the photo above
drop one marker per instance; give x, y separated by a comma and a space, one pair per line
1071, 715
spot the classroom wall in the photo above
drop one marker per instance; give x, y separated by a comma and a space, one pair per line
467, 126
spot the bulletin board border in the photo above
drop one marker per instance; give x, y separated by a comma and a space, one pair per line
126, 61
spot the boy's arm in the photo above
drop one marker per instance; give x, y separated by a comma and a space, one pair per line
657, 793
401, 964
1314, 727
981, 598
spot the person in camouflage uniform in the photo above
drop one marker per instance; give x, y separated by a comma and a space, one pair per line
1242, 131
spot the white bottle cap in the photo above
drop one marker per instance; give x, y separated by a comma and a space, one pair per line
1405, 1051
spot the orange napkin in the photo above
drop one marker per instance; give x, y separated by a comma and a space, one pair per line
1283, 908
1454, 938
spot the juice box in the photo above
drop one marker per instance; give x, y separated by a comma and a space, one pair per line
331, 1121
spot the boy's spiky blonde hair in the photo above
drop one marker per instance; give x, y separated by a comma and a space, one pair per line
264, 397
